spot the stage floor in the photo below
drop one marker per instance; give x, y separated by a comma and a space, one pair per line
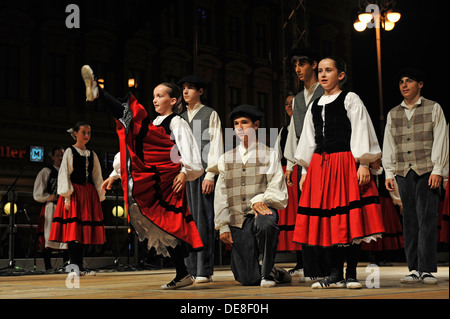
146, 285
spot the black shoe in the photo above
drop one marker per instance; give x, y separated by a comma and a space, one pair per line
186, 281
282, 276
328, 283
352, 283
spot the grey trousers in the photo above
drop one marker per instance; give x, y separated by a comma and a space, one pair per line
420, 220
202, 209
257, 235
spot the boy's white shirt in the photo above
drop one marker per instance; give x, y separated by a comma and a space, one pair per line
275, 195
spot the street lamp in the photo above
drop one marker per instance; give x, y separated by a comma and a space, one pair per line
378, 16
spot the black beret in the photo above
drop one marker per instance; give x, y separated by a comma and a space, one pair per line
304, 52
195, 80
246, 110
412, 73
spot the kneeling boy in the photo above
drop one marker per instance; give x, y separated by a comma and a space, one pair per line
249, 191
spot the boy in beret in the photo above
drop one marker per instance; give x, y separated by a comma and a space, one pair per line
415, 152
200, 192
249, 191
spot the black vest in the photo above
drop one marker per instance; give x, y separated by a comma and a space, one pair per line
139, 142
337, 126
79, 174
165, 124
283, 140
52, 183
202, 123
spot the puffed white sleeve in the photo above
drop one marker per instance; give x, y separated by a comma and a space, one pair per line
97, 177
440, 148
363, 142
307, 142
187, 146
389, 154
291, 143
65, 187
222, 214
116, 173
40, 185
215, 146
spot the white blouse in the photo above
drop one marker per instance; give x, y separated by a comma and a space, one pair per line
40, 185
363, 142
65, 187
186, 144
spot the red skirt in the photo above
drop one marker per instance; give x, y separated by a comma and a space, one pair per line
147, 178
443, 220
286, 217
83, 222
333, 209
40, 228
393, 236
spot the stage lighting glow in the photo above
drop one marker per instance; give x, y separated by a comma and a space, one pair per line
117, 211
7, 208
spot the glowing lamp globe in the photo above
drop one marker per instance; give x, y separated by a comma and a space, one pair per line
365, 17
388, 26
117, 211
360, 26
393, 16
7, 208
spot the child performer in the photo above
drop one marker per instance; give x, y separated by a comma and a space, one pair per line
415, 152
200, 192
45, 191
337, 144
249, 191
78, 218
153, 174
311, 260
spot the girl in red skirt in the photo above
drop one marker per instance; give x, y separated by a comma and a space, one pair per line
156, 159
339, 205
78, 218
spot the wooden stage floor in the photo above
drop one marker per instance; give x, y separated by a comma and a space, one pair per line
146, 285
135, 292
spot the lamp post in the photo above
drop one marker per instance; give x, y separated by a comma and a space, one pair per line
378, 16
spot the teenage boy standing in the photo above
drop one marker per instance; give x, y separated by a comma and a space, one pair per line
310, 264
415, 152
207, 129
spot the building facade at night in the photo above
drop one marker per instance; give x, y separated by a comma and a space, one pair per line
239, 47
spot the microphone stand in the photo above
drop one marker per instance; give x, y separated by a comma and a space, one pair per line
36, 241
117, 265
12, 269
